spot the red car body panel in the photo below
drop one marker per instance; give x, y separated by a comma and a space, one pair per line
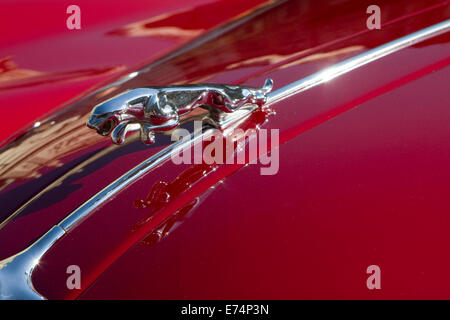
363, 176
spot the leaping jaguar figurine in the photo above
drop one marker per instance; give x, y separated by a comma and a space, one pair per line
160, 108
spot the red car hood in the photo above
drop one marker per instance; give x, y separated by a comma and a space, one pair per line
362, 173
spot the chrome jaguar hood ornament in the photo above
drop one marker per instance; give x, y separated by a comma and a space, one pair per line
154, 109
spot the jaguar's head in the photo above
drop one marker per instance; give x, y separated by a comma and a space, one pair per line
102, 120
114, 115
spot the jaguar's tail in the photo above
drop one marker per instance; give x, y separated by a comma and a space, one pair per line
268, 85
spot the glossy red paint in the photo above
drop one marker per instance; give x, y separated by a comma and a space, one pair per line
363, 172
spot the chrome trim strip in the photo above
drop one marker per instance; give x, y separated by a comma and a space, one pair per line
57, 182
357, 61
16, 271
141, 169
